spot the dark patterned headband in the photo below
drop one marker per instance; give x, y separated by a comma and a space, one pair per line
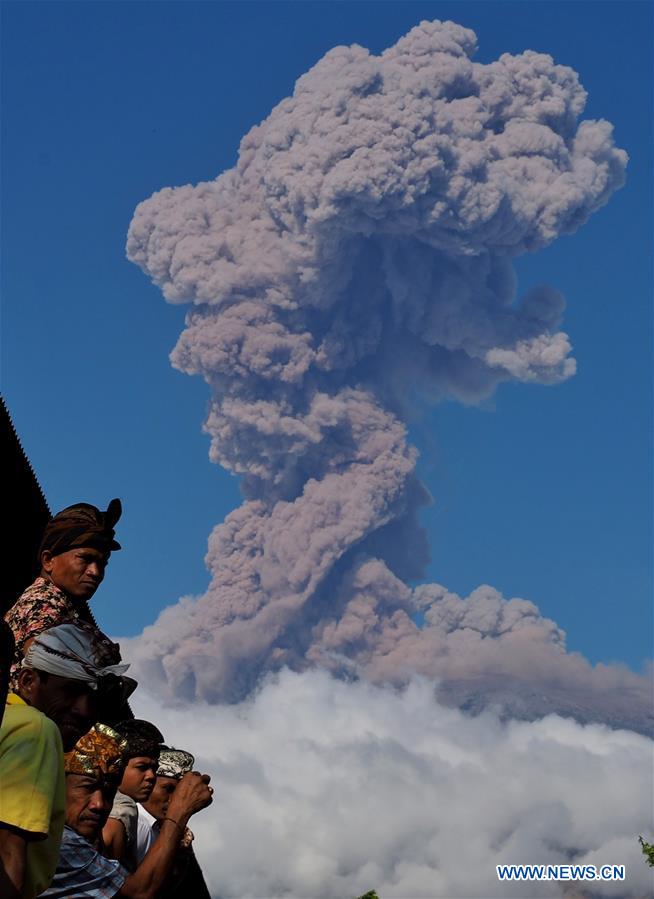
82, 525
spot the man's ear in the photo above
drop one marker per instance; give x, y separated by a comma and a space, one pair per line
47, 561
27, 684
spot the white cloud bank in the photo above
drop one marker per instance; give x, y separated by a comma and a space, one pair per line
328, 789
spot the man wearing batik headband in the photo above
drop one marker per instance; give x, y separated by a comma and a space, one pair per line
173, 765
144, 741
71, 653
93, 771
73, 555
54, 702
186, 876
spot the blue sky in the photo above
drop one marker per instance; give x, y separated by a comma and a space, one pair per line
544, 493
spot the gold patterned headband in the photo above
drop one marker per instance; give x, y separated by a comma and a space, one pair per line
99, 753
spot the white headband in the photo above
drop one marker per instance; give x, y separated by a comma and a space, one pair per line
68, 651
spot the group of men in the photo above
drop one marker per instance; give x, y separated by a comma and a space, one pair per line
93, 804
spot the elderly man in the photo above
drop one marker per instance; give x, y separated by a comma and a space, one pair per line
186, 876
141, 758
55, 702
94, 769
73, 556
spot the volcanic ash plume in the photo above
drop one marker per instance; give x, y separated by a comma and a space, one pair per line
359, 253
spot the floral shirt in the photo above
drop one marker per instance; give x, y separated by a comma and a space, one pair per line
44, 605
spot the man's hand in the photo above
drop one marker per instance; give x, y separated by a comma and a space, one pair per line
191, 795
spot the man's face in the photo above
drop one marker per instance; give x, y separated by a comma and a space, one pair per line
78, 572
159, 799
88, 803
139, 778
71, 704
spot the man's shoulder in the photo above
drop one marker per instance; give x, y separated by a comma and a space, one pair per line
41, 587
77, 853
75, 840
145, 818
123, 809
32, 797
122, 800
28, 722
40, 595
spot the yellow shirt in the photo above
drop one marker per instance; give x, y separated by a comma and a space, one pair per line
32, 788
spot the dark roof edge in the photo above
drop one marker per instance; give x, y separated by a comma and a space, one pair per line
22, 452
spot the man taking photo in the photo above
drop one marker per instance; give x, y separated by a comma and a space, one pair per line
186, 877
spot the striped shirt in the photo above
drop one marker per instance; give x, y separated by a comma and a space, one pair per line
82, 873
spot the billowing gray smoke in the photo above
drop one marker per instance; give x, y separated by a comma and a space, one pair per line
359, 253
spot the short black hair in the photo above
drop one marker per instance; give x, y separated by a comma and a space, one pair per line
143, 738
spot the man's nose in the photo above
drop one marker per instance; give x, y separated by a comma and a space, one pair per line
95, 570
97, 801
